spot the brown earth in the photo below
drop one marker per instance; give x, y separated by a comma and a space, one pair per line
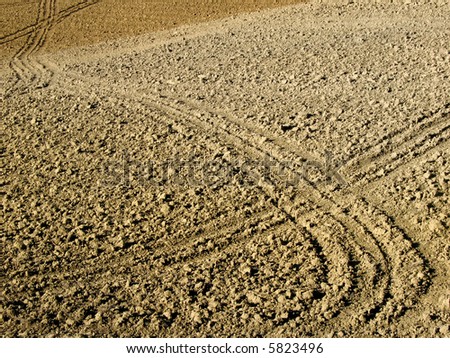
281, 173
76, 22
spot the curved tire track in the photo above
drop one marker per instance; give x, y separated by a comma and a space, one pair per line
48, 21
380, 253
380, 245
29, 70
400, 148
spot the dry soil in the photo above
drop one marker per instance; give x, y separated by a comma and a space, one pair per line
280, 173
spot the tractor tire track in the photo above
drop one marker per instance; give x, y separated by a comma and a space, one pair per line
363, 231
43, 22
398, 150
245, 142
30, 71
27, 69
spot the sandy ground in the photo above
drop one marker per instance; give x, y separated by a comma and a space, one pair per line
274, 174
83, 22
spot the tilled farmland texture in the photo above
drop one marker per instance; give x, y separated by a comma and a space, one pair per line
281, 173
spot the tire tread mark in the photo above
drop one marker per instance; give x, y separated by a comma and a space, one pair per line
184, 117
47, 21
291, 218
409, 143
28, 69
326, 204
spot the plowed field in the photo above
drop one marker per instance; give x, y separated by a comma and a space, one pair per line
202, 169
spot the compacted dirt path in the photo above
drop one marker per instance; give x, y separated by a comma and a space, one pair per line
281, 173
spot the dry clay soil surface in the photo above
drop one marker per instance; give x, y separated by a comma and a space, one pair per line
83, 22
282, 173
